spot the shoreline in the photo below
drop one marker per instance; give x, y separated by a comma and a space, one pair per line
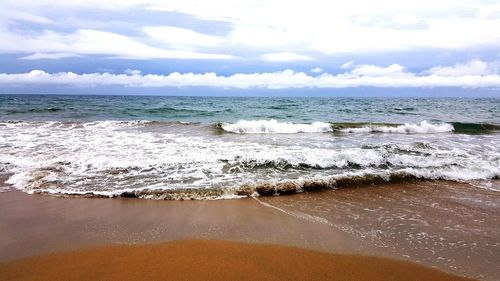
37, 226
213, 260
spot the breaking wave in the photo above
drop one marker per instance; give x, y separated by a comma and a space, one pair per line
273, 127
287, 187
424, 127
171, 160
475, 128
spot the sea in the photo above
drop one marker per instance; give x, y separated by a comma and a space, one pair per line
233, 147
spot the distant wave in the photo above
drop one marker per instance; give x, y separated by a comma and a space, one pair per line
273, 127
167, 111
129, 112
425, 127
475, 128
34, 110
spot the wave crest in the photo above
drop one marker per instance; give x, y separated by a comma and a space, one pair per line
252, 190
423, 127
273, 126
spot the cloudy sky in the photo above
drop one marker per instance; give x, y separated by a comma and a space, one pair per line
250, 44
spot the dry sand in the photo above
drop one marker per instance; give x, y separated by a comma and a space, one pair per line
212, 260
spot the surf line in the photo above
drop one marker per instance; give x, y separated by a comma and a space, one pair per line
303, 216
316, 219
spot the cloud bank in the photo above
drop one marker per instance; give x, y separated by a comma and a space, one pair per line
270, 31
468, 75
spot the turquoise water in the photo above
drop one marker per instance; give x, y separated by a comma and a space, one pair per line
213, 148
226, 109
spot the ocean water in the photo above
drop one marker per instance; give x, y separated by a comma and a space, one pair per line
220, 148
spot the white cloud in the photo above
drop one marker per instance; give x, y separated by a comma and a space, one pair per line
9, 14
50, 56
369, 76
328, 27
284, 57
93, 42
393, 70
347, 65
405, 19
175, 36
316, 70
473, 67
132, 71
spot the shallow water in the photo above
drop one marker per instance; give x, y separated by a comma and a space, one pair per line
452, 226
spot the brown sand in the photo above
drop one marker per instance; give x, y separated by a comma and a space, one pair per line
212, 260
36, 225
32, 225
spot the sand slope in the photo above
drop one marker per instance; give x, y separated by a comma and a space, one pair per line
212, 260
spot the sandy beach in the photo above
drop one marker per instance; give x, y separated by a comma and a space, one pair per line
212, 260
45, 237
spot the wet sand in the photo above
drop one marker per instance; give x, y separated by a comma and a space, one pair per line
212, 260
368, 221
449, 225
36, 224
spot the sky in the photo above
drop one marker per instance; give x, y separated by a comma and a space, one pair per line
156, 46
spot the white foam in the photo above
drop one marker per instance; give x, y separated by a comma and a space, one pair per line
273, 126
423, 127
488, 185
107, 158
299, 215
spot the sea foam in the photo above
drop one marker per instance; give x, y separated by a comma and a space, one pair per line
423, 127
133, 159
273, 126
